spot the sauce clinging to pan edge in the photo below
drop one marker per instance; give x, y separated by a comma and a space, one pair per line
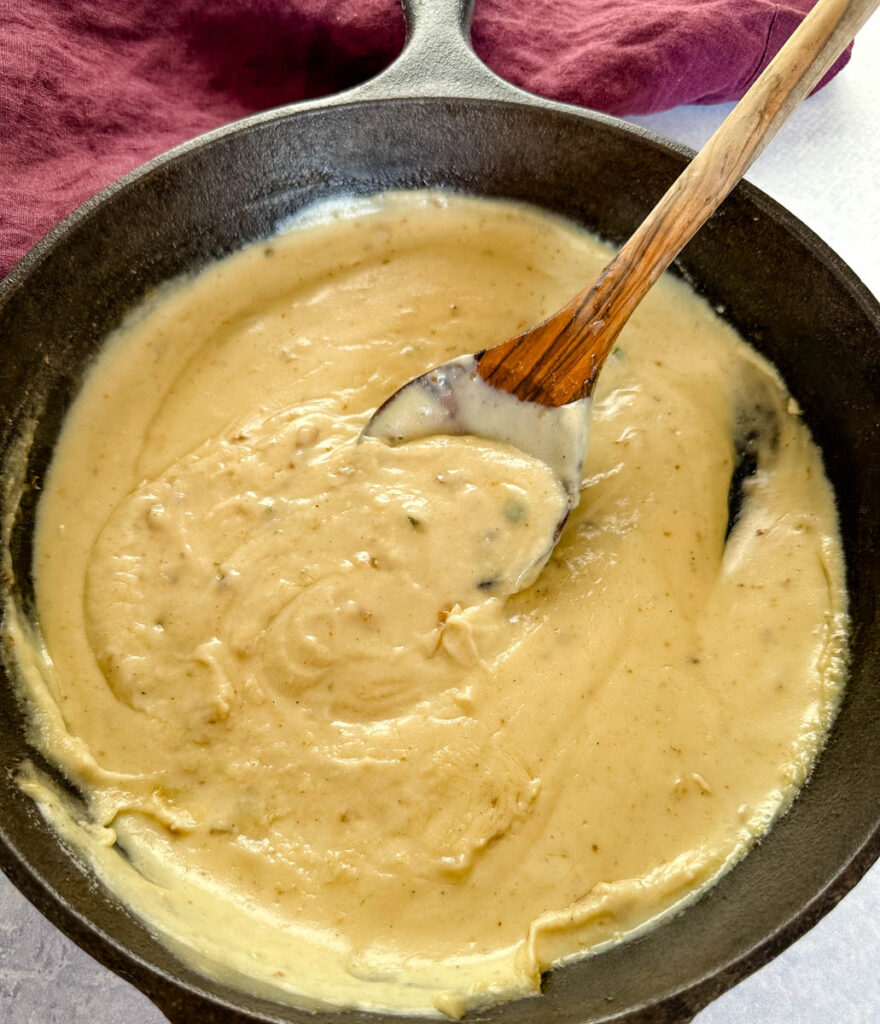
325, 752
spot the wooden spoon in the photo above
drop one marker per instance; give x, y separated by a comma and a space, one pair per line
533, 391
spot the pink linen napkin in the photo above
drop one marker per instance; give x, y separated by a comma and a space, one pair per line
89, 89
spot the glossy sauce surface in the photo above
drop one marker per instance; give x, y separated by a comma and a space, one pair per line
345, 762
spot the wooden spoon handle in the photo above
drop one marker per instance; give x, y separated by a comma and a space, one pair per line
558, 361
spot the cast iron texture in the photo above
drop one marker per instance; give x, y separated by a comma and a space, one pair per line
780, 286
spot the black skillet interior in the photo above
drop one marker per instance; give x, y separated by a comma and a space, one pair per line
779, 286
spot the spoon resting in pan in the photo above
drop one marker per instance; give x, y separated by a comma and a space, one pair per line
534, 391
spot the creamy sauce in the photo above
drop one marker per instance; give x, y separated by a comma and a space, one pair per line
344, 761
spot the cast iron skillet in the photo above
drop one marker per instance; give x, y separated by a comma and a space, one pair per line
439, 118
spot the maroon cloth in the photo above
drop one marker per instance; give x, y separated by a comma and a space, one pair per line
89, 89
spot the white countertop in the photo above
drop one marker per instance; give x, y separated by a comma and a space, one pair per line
825, 167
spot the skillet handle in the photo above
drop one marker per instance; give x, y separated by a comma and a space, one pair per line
437, 58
